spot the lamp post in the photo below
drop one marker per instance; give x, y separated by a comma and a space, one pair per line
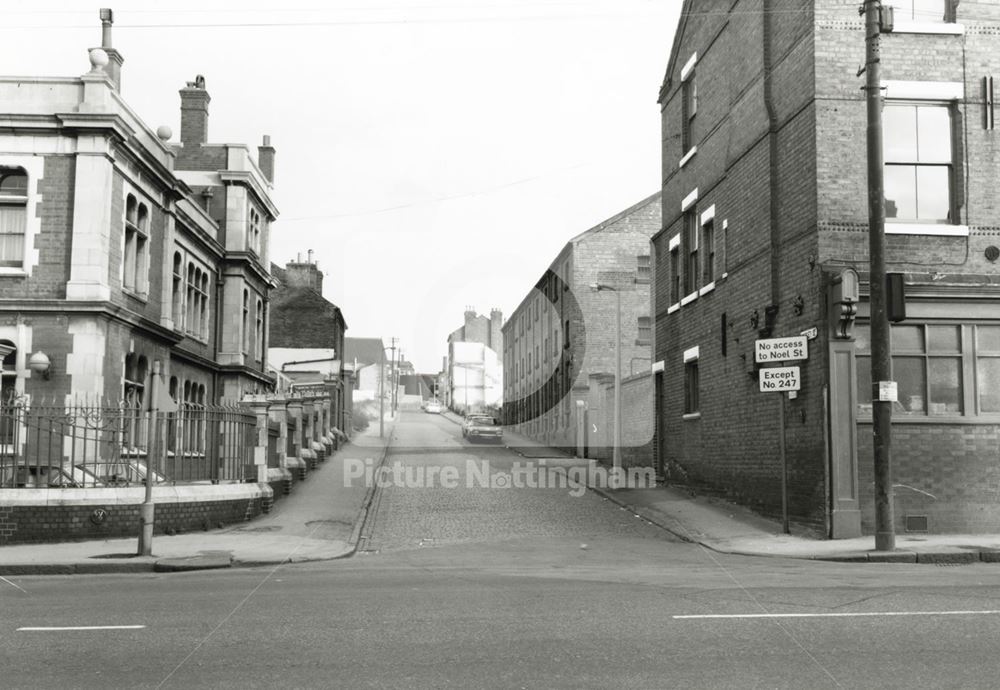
616, 450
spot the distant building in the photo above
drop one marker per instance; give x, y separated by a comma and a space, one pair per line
366, 357
559, 349
307, 334
474, 370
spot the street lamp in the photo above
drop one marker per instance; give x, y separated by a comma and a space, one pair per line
616, 450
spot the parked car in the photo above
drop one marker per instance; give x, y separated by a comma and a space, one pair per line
433, 407
481, 427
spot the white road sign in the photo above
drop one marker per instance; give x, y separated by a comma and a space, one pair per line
782, 349
779, 380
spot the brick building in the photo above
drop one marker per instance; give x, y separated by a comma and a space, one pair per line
307, 334
473, 369
764, 218
559, 343
120, 251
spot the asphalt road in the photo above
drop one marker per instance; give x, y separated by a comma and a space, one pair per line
478, 587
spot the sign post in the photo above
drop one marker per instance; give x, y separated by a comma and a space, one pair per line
781, 380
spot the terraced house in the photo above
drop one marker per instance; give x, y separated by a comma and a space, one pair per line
559, 354
123, 253
765, 235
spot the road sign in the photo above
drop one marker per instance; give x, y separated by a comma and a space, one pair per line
782, 349
780, 379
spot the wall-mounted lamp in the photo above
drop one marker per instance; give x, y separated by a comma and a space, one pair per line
40, 363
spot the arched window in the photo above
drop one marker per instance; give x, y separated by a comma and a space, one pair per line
8, 391
178, 291
193, 415
133, 402
253, 231
136, 252
13, 215
246, 321
204, 306
260, 330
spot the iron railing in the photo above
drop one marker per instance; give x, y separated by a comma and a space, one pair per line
97, 444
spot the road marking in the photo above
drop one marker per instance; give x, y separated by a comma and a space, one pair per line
13, 584
869, 614
79, 627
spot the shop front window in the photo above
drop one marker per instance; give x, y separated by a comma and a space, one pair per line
940, 370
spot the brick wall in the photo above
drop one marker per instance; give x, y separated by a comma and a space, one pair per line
636, 420
947, 472
787, 178
765, 255
56, 523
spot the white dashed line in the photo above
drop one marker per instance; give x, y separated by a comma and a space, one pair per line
871, 614
79, 627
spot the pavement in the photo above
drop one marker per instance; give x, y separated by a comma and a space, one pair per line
733, 529
319, 520
323, 517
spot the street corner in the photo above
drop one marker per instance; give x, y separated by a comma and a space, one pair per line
207, 560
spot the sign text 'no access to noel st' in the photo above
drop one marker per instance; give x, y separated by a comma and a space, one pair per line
781, 349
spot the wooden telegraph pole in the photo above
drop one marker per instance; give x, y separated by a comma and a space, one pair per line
882, 385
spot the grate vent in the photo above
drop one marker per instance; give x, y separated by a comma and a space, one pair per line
916, 523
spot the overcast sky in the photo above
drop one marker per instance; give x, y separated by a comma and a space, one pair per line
433, 154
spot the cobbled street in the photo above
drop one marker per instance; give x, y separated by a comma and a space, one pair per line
409, 517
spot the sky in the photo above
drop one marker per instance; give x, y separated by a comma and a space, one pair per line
434, 155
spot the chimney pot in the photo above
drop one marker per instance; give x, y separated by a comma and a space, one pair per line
113, 67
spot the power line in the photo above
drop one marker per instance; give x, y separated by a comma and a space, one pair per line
424, 202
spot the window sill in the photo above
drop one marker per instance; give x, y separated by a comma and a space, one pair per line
897, 418
691, 416
687, 156
931, 229
13, 272
673, 308
689, 299
707, 289
642, 281
903, 26
141, 296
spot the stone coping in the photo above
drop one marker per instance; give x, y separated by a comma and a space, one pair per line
134, 495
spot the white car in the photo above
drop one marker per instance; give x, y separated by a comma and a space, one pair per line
480, 426
433, 407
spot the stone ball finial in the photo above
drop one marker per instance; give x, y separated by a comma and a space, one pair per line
164, 132
98, 59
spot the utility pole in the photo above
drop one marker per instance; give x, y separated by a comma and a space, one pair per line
392, 378
381, 394
616, 453
399, 375
885, 537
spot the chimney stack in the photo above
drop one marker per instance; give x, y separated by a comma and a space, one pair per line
298, 274
194, 113
265, 158
496, 331
115, 59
